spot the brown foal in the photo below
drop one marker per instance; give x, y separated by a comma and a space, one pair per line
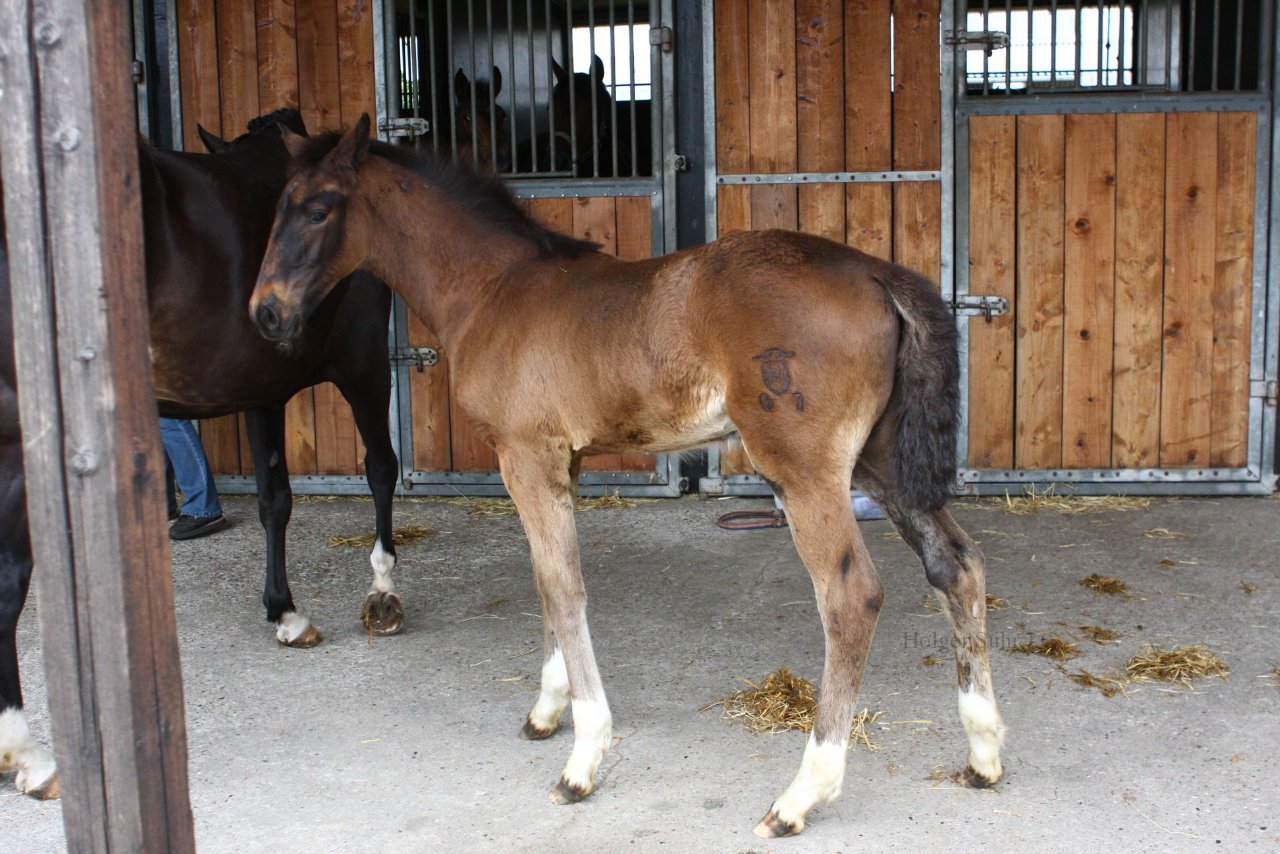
831, 365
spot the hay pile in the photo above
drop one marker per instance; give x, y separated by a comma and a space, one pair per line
402, 536
783, 701
1103, 584
1054, 647
1181, 665
931, 603
1068, 505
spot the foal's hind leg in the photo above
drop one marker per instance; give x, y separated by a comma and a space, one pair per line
538, 478
382, 612
954, 566
275, 505
815, 495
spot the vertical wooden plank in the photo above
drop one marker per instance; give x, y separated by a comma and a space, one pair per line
319, 99
820, 113
992, 226
635, 228
355, 59
772, 75
1089, 300
917, 97
1135, 441
198, 68
1190, 213
300, 433
1233, 289
733, 209
868, 98
277, 54
221, 440
237, 65
868, 124
775, 206
733, 87
94, 473
917, 227
1038, 426
429, 405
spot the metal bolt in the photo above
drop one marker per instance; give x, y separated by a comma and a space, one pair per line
87, 354
48, 34
67, 138
84, 462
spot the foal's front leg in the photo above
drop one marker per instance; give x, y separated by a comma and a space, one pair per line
539, 480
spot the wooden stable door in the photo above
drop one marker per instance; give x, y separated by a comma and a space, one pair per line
1125, 246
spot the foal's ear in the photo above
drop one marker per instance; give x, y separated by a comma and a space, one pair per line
597, 69
495, 82
461, 86
562, 76
294, 143
354, 145
213, 143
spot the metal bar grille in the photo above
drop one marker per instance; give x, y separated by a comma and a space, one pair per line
1159, 46
529, 88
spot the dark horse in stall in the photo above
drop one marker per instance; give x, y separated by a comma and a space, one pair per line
206, 219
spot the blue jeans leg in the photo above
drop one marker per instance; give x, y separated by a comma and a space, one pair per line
190, 467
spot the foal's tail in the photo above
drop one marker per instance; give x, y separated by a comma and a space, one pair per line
927, 390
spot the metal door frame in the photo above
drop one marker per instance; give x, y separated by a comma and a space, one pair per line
665, 479
1257, 476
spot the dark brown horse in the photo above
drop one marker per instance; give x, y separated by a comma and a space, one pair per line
206, 219
583, 114
830, 363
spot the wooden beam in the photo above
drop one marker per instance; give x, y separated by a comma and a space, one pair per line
93, 463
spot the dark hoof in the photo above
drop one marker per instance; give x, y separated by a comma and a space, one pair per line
50, 790
306, 640
772, 827
567, 793
529, 732
383, 614
974, 780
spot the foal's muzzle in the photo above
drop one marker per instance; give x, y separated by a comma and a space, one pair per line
271, 321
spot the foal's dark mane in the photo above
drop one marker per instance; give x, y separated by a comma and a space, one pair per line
483, 195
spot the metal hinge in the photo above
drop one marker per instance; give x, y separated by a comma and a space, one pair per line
139, 72
420, 357
983, 40
393, 128
680, 163
1265, 389
661, 37
975, 305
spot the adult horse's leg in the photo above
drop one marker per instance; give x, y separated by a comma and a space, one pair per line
383, 612
811, 479
37, 773
538, 477
955, 568
275, 505
553, 692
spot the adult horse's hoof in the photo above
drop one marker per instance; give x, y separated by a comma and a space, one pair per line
565, 792
383, 614
532, 732
773, 827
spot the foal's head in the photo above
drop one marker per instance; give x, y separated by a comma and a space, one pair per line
315, 241
480, 126
577, 125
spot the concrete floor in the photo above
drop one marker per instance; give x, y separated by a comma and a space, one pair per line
409, 744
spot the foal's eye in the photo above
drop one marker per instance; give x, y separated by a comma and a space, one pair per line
317, 217
466, 120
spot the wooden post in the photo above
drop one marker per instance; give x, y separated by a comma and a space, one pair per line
68, 146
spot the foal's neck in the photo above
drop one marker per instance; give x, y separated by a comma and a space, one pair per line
440, 257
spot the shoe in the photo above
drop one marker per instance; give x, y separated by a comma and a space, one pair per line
190, 527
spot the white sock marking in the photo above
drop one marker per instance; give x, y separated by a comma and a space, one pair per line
383, 565
18, 750
291, 626
819, 781
592, 735
982, 722
553, 697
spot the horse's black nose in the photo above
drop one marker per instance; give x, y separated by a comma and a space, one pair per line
269, 317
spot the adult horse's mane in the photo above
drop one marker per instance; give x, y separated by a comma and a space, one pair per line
483, 195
